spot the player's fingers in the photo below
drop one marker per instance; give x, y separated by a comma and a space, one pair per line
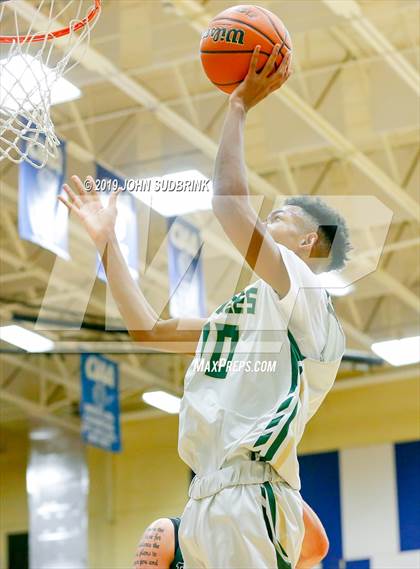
75, 199
271, 61
281, 70
114, 196
289, 70
254, 60
286, 61
288, 64
91, 188
80, 188
68, 205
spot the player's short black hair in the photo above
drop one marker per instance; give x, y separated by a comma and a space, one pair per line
332, 228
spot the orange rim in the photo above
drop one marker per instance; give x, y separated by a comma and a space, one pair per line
93, 13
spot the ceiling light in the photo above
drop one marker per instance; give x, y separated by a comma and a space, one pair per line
26, 80
43, 433
335, 284
162, 400
25, 339
399, 352
175, 194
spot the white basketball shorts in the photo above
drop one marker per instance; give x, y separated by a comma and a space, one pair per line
242, 517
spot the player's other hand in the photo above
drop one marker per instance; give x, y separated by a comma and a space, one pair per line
97, 219
258, 85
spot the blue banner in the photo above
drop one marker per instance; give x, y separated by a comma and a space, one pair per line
126, 225
42, 220
100, 405
186, 283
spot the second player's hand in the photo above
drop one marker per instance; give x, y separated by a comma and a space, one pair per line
258, 85
97, 219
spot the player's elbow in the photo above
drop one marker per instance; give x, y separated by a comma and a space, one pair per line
150, 336
143, 336
321, 548
314, 552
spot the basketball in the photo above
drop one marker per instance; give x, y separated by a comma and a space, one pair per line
226, 46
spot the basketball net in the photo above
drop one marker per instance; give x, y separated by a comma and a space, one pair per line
42, 37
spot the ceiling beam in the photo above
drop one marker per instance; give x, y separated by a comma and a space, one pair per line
301, 74
397, 289
405, 373
349, 152
18, 361
197, 17
391, 247
81, 126
36, 410
366, 29
129, 416
137, 375
94, 61
356, 335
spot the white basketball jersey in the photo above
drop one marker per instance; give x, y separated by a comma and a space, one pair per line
263, 366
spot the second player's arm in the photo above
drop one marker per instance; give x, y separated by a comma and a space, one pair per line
315, 542
157, 546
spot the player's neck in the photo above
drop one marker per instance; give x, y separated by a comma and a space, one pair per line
317, 266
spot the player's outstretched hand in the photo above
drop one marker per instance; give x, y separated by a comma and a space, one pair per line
258, 85
85, 202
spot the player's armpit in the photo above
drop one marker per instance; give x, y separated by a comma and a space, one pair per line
315, 543
249, 235
175, 335
156, 548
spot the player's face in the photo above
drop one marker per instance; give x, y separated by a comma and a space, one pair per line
288, 226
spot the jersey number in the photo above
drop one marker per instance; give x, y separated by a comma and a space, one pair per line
218, 361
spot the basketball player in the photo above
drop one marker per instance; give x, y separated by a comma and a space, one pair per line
239, 427
160, 543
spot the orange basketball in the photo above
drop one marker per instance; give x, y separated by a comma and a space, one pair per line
226, 46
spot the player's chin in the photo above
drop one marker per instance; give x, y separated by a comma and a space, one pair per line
284, 239
277, 234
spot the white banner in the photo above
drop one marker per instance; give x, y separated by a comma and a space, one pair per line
57, 487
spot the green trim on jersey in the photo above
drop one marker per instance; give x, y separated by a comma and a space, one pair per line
293, 342
279, 435
269, 513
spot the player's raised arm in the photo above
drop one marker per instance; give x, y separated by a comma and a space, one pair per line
142, 322
231, 203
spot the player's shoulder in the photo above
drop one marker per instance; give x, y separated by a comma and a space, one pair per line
163, 524
158, 541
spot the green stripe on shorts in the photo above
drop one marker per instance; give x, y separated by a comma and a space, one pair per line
268, 494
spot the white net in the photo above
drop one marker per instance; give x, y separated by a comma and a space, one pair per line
38, 40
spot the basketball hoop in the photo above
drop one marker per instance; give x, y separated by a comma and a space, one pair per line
34, 55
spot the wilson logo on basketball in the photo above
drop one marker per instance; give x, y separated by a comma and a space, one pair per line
228, 35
